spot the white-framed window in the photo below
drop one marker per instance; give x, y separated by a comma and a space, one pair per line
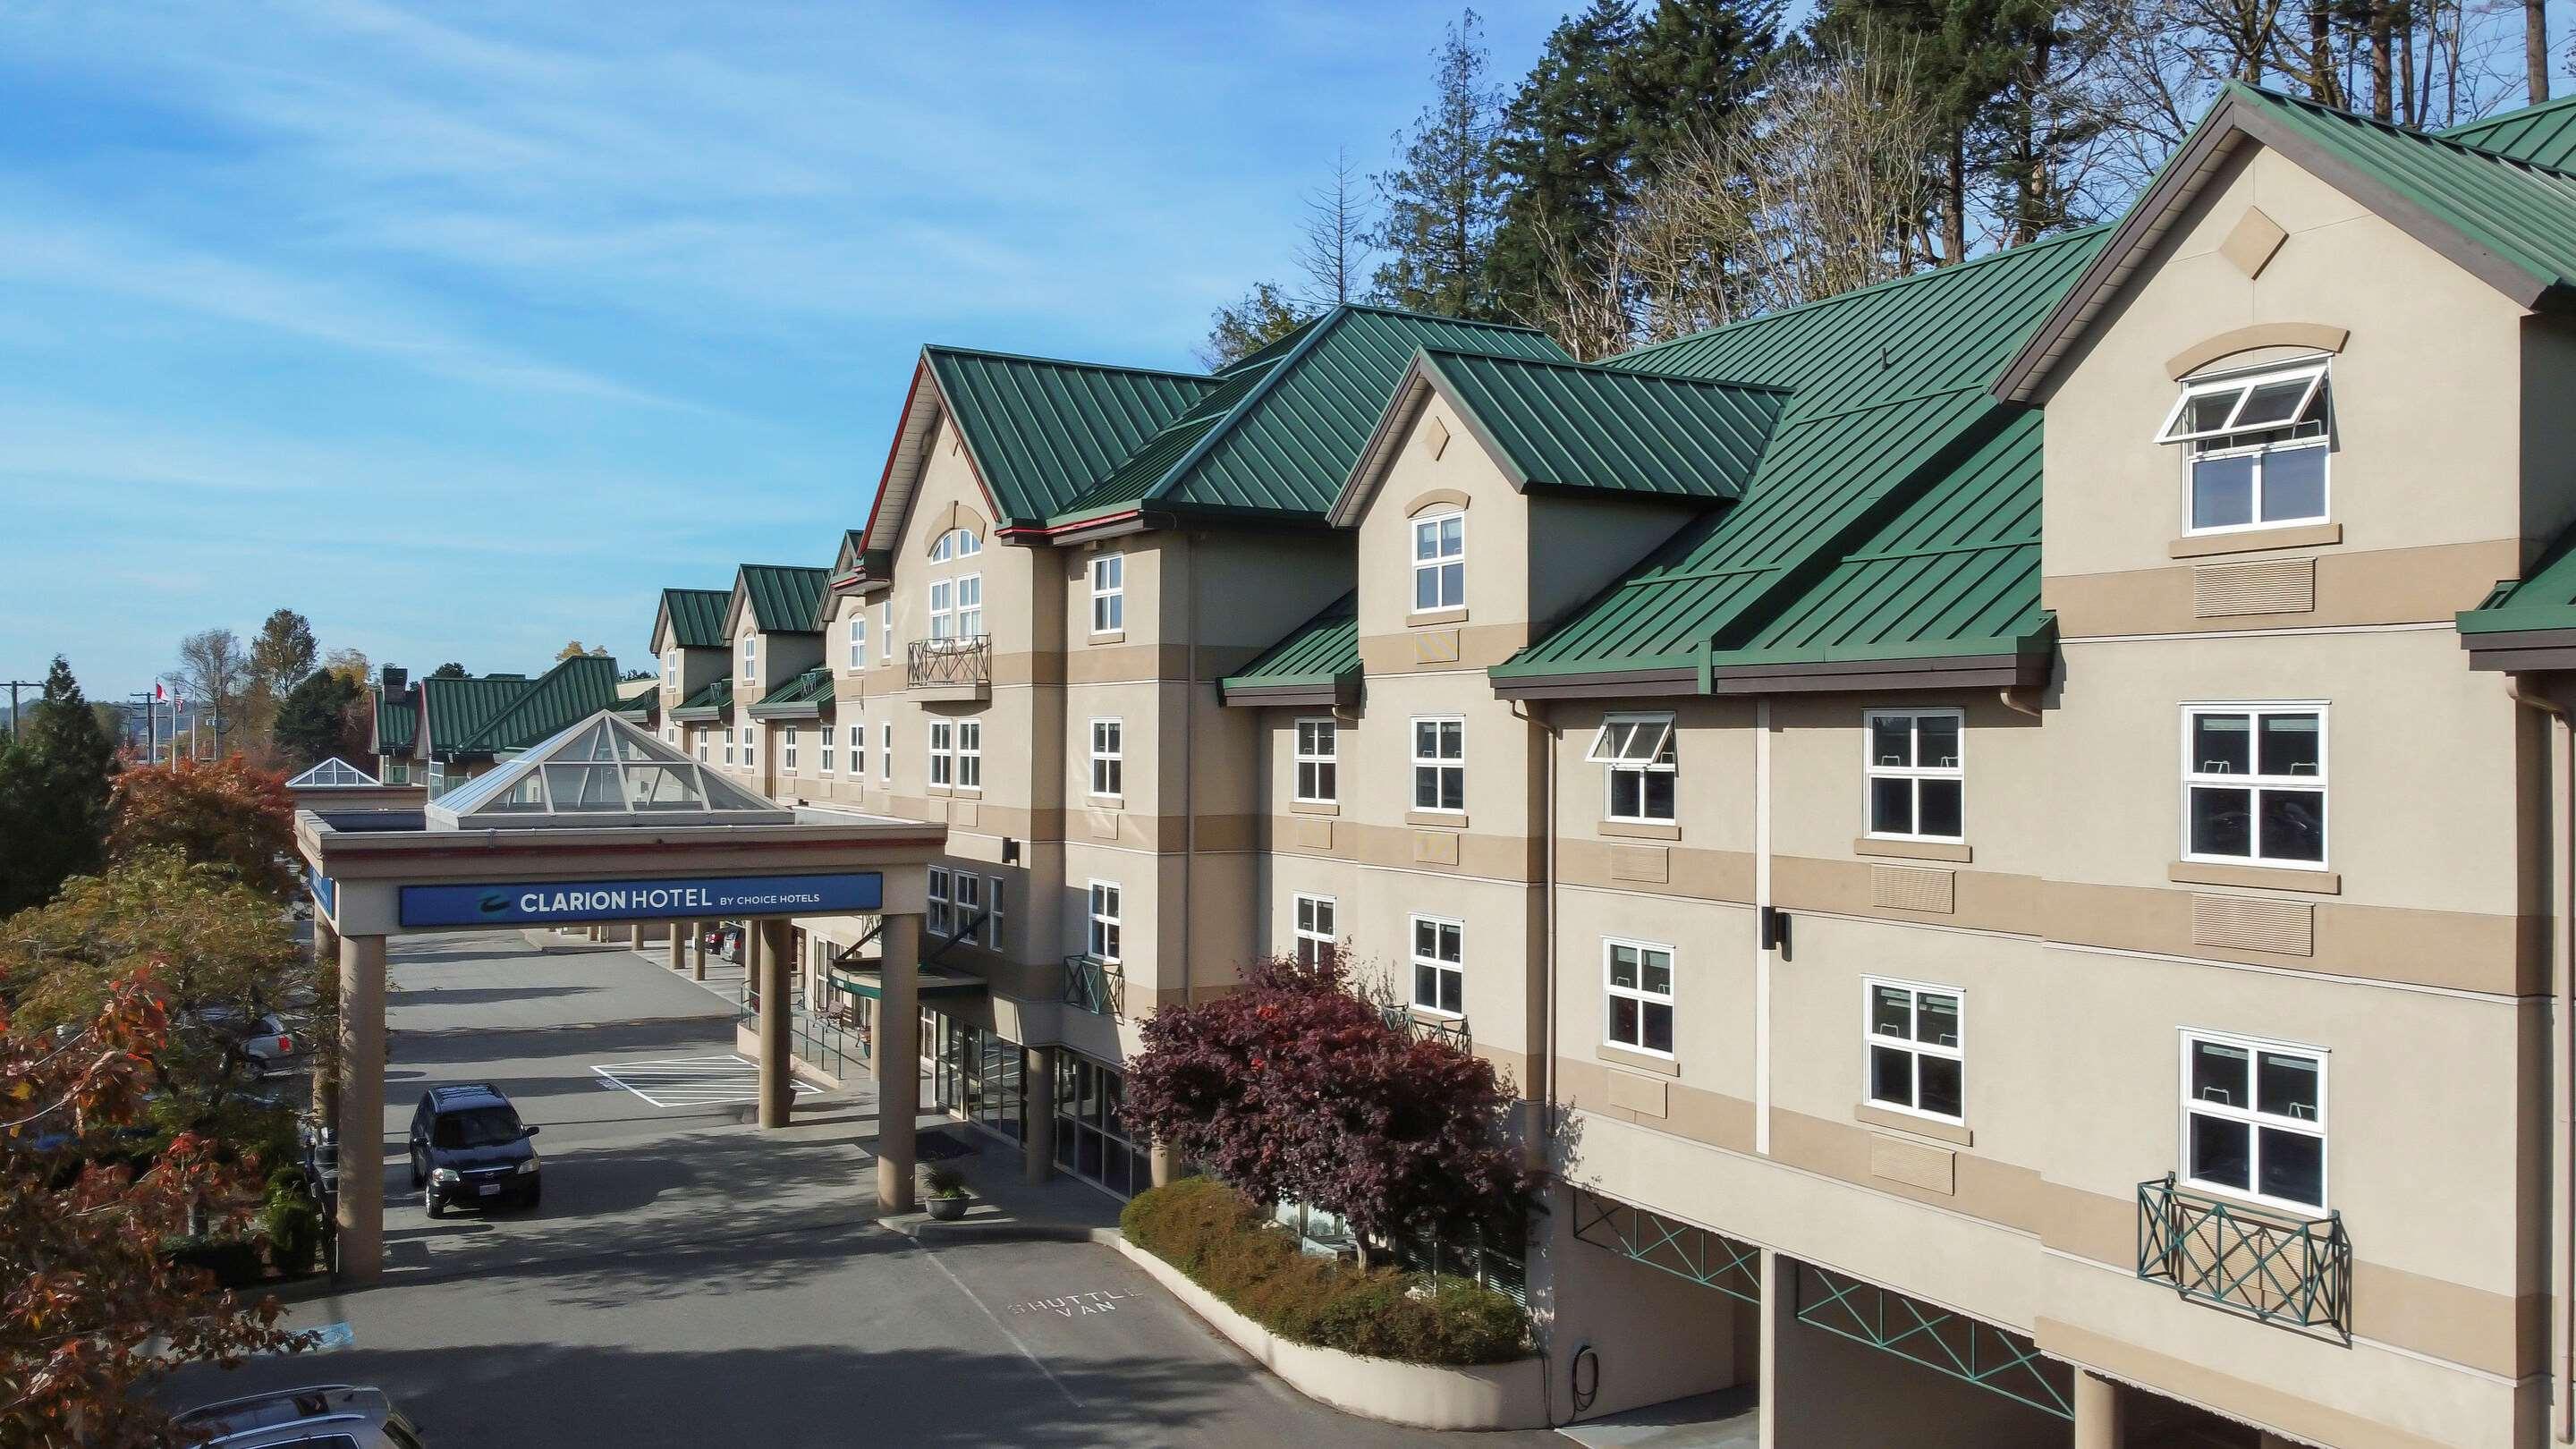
1103, 938
1318, 762
970, 606
943, 608
1108, 758
1913, 773
823, 738
1637, 996
704, 736
398, 772
1108, 593
885, 752
968, 889
729, 744
970, 754
943, 735
670, 734
859, 638
751, 744
751, 656
1439, 965
670, 669
1314, 924
993, 900
787, 751
1439, 764
885, 631
2255, 447
938, 918
1439, 562
859, 750
2254, 1118
955, 543
1916, 1036
2254, 784
1639, 783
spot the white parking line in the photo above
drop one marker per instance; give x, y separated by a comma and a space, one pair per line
691, 1081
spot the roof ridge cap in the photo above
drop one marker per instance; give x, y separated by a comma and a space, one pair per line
1580, 366
1252, 396
2555, 103
2438, 138
1001, 356
1383, 310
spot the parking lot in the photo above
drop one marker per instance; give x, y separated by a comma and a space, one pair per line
691, 1280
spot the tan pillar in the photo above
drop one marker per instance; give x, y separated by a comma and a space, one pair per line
679, 946
1037, 1122
2097, 1412
1777, 1313
767, 947
362, 1107
898, 1062
698, 949
1165, 1167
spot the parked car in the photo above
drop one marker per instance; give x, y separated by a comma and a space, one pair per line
325, 1416
265, 1040
469, 1146
725, 943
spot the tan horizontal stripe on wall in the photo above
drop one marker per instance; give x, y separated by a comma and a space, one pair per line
1692, 1112
2259, 1402
1478, 646
2374, 586
2459, 950
1512, 858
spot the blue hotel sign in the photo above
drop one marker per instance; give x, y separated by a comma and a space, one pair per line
326, 893
538, 903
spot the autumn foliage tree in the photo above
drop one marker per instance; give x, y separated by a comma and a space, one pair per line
227, 813
92, 1312
1297, 1088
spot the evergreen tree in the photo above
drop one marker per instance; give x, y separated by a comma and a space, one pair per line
1564, 158
1263, 316
449, 670
309, 722
53, 795
1692, 65
281, 654
1441, 202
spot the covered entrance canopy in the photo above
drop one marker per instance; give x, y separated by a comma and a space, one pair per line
604, 823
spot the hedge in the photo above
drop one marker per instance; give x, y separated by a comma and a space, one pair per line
1227, 1245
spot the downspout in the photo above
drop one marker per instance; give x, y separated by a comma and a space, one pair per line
2562, 1079
1189, 766
1761, 913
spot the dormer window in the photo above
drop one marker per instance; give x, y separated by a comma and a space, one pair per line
2255, 446
751, 656
1440, 562
955, 543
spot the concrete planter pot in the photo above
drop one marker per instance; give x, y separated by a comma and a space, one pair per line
946, 1209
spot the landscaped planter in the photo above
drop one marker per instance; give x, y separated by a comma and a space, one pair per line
946, 1209
1423, 1396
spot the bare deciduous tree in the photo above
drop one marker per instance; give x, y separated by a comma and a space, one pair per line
1335, 246
212, 671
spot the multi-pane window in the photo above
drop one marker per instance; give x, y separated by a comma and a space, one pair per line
943, 738
1108, 593
970, 754
1916, 782
938, 917
1314, 925
2255, 444
1916, 1052
1318, 762
2254, 1118
968, 895
1102, 938
823, 738
1439, 967
943, 608
858, 750
705, 737
858, 639
1638, 749
670, 669
751, 656
787, 751
955, 543
728, 744
885, 752
2254, 784
885, 631
1637, 1001
1440, 764
751, 744
970, 606
1440, 562
993, 912
1108, 758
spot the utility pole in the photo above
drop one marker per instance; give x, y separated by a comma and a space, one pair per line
151, 724
14, 686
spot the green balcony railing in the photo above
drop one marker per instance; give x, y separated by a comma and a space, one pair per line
1449, 1029
2276, 1266
1095, 986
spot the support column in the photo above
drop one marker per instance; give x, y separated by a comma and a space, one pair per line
362, 1107
679, 945
2098, 1413
1777, 1314
766, 946
1037, 1120
898, 1062
698, 949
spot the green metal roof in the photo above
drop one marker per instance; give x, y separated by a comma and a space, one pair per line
709, 702
1890, 397
1148, 465
785, 598
397, 720
572, 691
454, 711
2544, 135
2545, 600
1043, 431
1566, 425
801, 695
1322, 654
696, 616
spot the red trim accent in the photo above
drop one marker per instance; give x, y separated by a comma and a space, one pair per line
867, 535
783, 845
1077, 526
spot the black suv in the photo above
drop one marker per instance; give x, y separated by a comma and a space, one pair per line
468, 1146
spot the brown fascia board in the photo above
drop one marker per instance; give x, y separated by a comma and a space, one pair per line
1606, 684
2158, 211
1966, 671
1253, 696
2522, 651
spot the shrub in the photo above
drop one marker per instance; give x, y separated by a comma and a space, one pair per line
1223, 1242
294, 1231
944, 1182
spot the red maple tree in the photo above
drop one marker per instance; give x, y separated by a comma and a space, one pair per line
226, 812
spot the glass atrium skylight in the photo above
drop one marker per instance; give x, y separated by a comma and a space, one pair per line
601, 772
333, 771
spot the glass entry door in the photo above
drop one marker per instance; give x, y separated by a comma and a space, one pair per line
1091, 1140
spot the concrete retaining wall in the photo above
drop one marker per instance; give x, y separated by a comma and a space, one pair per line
1423, 1396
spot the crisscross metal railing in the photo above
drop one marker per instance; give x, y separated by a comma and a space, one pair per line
1968, 1349
1451, 1029
1709, 1259
958, 659
2276, 1266
1095, 986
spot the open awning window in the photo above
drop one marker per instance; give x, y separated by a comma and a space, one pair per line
2260, 402
1633, 742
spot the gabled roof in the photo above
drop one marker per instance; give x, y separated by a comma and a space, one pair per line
600, 770
691, 619
397, 719
1042, 430
2528, 623
1889, 404
1149, 465
783, 598
2507, 222
1569, 426
574, 689
454, 711
330, 774
712, 701
2544, 135
1318, 663
801, 697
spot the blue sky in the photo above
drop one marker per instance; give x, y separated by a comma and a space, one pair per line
464, 328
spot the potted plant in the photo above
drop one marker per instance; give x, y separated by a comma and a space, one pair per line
944, 1193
